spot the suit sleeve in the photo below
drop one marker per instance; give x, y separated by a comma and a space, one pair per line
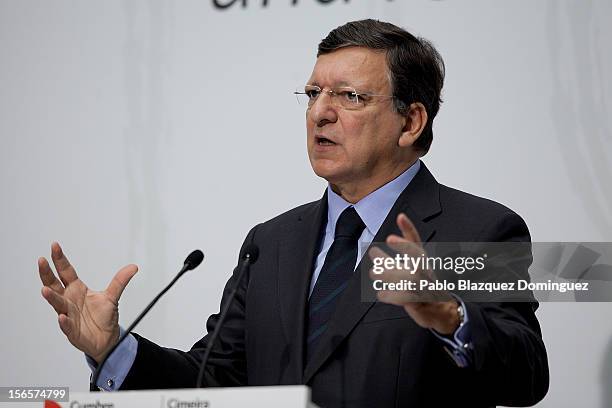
509, 357
157, 367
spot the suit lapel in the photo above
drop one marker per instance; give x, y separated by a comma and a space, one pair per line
296, 254
420, 201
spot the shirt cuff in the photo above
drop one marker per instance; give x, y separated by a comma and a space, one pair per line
458, 345
118, 364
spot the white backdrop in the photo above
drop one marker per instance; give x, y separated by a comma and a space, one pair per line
136, 131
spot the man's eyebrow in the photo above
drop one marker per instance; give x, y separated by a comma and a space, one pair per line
358, 86
344, 84
341, 84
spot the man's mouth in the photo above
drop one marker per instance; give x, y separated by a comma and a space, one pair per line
323, 141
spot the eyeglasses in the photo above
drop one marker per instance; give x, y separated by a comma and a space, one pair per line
343, 97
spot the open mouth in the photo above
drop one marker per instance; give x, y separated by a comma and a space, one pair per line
323, 141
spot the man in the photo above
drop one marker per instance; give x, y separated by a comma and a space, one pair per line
298, 317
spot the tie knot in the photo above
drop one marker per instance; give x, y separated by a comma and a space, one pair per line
349, 224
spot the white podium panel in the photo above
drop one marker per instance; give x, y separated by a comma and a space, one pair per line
288, 396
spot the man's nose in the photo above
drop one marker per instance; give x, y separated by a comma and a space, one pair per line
323, 111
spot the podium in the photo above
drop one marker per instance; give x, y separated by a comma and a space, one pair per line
288, 396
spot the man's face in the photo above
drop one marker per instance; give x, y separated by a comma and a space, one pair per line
364, 146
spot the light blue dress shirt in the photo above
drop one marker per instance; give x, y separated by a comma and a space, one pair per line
373, 209
118, 364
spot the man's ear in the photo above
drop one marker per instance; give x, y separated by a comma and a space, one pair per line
415, 121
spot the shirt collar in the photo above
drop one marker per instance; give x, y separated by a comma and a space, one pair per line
374, 207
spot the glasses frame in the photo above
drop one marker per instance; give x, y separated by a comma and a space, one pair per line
335, 95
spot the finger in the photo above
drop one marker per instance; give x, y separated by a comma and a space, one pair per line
403, 246
122, 278
48, 277
56, 300
394, 266
396, 238
66, 324
376, 252
408, 229
65, 271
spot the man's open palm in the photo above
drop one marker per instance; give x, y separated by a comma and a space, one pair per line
89, 319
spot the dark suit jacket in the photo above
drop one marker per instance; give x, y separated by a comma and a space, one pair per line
372, 354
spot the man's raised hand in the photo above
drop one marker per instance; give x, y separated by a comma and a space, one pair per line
439, 310
89, 319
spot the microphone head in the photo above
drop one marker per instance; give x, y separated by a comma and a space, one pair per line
251, 253
193, 260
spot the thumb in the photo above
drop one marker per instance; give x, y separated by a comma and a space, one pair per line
408, 229
66, 324
120, 281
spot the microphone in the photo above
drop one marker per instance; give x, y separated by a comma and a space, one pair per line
251, 253
192, 261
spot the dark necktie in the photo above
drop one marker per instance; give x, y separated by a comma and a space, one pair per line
334, 277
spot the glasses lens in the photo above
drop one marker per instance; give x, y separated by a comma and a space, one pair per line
348, 98
312, 93
302, 98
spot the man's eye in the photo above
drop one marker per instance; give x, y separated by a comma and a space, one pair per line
312, 93
351, 96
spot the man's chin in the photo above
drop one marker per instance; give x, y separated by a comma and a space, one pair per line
326, 169
332, 177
